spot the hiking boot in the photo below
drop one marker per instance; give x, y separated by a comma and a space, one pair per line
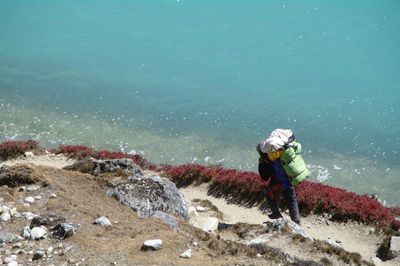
297, 222
274, 215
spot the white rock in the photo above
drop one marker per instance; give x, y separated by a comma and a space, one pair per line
38, 197
26, 205
29, 200
376, 261
103, 221
13, 211
194, 244
192, 212
187, 254
12, 263
297, 229
263, 238
152, 244
395, 245
259, 255
53, 196
10, 259
5, 216
38, 232
29, 154
209, 224
32, 188
200, 209
333, 243
50, 249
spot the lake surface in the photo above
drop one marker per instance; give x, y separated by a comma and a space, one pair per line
204, 81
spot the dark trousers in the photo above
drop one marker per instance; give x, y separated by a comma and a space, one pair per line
274, 189
289, 195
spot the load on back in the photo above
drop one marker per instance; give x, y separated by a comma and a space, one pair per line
281, 144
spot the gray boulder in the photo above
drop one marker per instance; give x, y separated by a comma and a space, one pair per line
6, 237
146, 195
124, 165
97, 167
64, 230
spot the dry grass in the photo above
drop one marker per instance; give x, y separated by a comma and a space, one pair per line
81, 198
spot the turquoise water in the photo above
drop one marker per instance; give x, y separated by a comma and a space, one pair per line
204, 81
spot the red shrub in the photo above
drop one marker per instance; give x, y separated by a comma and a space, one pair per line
80, 152
343, 205
240, 182
75, 151
14, 148
395, 211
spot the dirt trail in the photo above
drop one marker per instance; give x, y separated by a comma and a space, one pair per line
352, 237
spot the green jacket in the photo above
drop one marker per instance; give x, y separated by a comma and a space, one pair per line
293, 164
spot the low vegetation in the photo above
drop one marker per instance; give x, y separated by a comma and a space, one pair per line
14, 148
241, 187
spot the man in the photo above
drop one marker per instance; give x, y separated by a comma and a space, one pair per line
270, 167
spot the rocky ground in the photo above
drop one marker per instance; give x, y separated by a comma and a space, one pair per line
113, 213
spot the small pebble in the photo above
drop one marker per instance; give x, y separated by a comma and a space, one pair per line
12, 263
50, 250
200, 209
17, 245
38, 255
29, 200
13, 211
187, 254
32, 188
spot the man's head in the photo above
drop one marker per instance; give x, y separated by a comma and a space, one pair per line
274, 155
